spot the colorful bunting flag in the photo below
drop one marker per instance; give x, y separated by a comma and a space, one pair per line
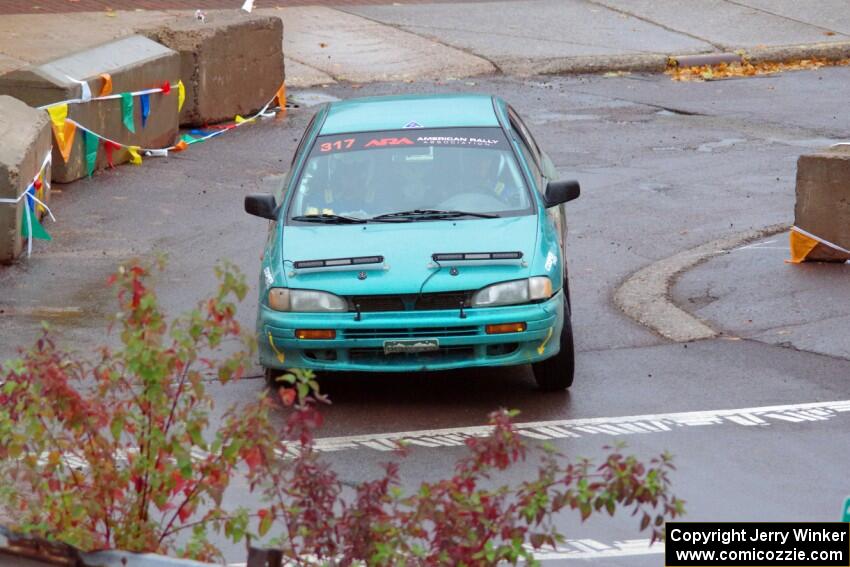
180, 146
38, 185
135, 158
85, 91
37, 229
145, 101
166, 88
281, 98
181, 95
91, 152
58, 115
110, 146
63, 129
106, 87
127, 111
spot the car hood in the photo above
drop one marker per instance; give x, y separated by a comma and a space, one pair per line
407, 250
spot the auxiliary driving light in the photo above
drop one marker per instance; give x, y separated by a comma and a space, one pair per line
503, 328
314, 334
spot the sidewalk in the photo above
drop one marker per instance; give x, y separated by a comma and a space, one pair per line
373, 40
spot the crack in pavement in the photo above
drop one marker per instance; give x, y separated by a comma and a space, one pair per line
436, 40
784, 17
654, 23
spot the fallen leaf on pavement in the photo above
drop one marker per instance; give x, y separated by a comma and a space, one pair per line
747, 69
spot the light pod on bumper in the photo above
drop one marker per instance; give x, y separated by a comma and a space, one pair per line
503, 328
315, 334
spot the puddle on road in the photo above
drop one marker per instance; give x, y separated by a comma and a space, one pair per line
311, 98
546, 117
655, 187
815, 143
666, 149
725, 143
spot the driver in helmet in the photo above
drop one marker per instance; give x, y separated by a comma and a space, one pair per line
346, 190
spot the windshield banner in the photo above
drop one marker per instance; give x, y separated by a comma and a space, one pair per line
486, 138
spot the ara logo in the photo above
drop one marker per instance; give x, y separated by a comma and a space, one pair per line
413, 125
389, 142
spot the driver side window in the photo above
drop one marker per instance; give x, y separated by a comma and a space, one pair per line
536, 174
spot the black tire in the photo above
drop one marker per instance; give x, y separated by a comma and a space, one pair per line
271, 375
556, 373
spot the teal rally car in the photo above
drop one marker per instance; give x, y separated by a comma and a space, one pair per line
416, 233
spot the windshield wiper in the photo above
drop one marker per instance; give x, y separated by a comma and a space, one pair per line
329, 219
432, 214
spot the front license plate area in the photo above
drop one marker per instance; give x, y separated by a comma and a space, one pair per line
411, 346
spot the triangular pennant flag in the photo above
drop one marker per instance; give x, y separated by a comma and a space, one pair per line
281, 98
135, 158
145, 101
240, 120
110, 147
166, 88
67, 141
181, 95
85, 91
58, 115
186, 138
38, 185
91, 152
180, 146
30, 200
127, 111
106, 87
37, 230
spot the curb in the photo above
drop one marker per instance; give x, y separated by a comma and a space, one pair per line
827, 50
658, 62
645, 295
586, 64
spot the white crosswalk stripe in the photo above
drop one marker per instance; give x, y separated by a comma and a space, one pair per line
605, 426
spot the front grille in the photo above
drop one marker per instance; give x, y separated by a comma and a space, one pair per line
411, 333
375, 303
410, 302
443, 353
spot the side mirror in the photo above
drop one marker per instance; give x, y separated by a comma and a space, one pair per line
558, 192
261, 205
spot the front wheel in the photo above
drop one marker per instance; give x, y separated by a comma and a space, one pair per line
271, 375
556, 373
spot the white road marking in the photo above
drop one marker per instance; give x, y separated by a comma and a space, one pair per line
613, 426
585, 549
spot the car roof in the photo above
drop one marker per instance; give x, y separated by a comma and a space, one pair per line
411, 111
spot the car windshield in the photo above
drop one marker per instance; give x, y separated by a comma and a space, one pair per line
412, 174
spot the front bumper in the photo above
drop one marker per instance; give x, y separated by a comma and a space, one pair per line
463, 343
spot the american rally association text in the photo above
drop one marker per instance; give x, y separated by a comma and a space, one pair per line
756, 534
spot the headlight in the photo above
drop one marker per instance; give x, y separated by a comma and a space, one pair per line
305, 300
512, 293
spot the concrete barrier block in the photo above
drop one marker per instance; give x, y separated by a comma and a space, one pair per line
134, 63
823, 196
26, 140
231, 64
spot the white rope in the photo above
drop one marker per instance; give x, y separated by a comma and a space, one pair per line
27, 212
104, 97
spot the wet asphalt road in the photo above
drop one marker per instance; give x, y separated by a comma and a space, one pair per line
664, 166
